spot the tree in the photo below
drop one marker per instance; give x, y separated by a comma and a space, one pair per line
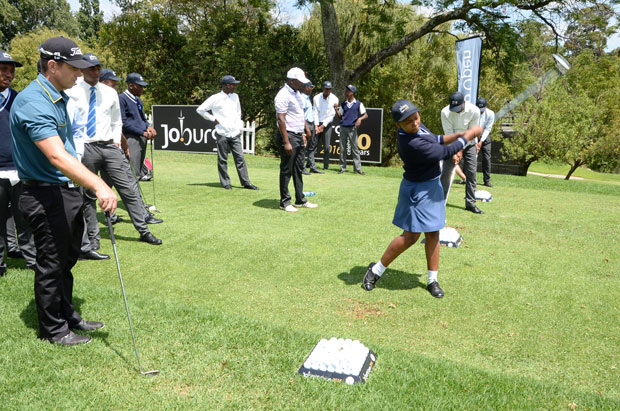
494, 18
23, 16
590, 28
90, 20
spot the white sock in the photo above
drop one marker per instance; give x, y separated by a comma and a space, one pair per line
378, 269
432, 276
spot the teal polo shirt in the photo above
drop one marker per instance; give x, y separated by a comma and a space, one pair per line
39, 112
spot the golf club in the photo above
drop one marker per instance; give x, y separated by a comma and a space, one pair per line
153, 176
120, 277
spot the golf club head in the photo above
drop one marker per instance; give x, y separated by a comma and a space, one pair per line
151, 373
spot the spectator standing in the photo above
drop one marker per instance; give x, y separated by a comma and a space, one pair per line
487, 118
324, 113
351, 113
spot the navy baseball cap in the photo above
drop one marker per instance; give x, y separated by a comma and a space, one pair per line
229, 80
137, 79
108, 74
63, 49
327, 84
402, 109
309, 84
456, 101
352, 88
91, 58
481, 102
6, 58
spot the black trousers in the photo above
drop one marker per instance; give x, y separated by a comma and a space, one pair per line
485, 150
9, 194
137, 153
55, 216
291, 166
326, 135
311, 147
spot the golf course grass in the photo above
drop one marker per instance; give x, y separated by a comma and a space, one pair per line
234, 300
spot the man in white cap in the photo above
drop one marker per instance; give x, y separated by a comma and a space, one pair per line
291, 139
224, 110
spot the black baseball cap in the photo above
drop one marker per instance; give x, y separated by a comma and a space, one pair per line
352, 88
6, 58
229, 80
402, 109
456, 101
309, 84
137, 79
481, 102
91, 58
327, 84
63, 49
108, 74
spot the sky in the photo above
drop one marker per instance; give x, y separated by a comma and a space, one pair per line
287, 14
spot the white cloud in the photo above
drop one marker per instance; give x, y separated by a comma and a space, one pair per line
108, 8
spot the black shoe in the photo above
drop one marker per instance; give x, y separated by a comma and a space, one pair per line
150, 238
435, 289
94, 245
488, 184
251, 187
474, 209
15, 254
88, 326
2, 271
152, 220
228, 187
70, 339
305, 172
342, 171
370, 279
93, 255
316, 171
146, 177
360, 172
462, 182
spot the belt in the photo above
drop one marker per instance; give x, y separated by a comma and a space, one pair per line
103, 143
35, 183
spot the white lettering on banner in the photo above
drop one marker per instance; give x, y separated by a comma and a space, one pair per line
186, 135
466, 74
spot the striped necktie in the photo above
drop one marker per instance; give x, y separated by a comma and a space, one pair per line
92, 114
1, 99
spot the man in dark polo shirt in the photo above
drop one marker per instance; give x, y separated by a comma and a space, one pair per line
44, 153
10, 186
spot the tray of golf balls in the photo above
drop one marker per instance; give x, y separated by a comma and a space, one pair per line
339, 359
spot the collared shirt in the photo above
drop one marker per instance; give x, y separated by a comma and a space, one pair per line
290, 102
79, 127
487, 118
362, 109
5, 96
456, 122
324, 111
108, 113
132, 115
39, 112
308, 110
226, 110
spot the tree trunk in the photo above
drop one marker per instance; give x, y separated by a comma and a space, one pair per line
573, 167
333, 47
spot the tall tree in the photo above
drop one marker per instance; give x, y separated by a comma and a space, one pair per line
590, 28
21, 16
90, 19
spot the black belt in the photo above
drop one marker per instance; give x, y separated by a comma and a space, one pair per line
35, 183
103, 143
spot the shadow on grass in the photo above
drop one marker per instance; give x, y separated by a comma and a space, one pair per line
31, 319
454, 206
391, 279
267, 203
214, 185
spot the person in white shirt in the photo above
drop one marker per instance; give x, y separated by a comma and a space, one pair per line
487, 118
324, 114
100, 109
291, 139
225, 112
460, 116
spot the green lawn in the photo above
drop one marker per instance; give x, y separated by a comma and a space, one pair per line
236, 297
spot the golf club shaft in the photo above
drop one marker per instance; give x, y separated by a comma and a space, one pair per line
153, 174
120, 277
450, 183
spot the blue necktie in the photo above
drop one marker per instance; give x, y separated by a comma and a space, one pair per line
1, 99
92, 115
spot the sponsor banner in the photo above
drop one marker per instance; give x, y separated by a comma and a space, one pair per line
369, 139
180, 128
468, 55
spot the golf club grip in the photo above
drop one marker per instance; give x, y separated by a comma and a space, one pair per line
108, 220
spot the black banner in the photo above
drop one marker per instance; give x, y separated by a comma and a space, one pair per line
180, 128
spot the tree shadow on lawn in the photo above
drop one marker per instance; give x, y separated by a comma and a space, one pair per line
391, 279
267, 203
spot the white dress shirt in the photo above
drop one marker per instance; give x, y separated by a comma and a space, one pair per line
78, 126
226, 110
109, 124
324, 109
290, 102
487, 118
456, 122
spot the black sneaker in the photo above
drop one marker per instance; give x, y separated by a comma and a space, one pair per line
435, 289
370, 279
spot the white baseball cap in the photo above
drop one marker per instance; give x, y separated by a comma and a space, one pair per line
297, 74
